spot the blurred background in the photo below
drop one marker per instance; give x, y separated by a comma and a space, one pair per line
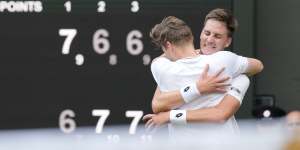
61, 61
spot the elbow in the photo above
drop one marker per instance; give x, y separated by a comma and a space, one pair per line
160, 105
255, 66
260, 66
155, 107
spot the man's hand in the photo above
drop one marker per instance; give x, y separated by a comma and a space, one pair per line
156, 120
210, 84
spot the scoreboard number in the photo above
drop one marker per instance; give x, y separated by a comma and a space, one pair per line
101, 6
68, 6
113, 59
136, 115
67, 123
70, 35
133, 43
135, 6
102, 114
100, 43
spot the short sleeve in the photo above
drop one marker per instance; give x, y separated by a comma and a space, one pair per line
239, 87
158, 66
233, 63
241, 65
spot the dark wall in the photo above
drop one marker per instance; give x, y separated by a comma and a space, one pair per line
268, 30
243, 44
277, 45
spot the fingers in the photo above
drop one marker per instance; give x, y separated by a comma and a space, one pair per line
147, 117
221, 87
151, 128
221, 90
222, 80
218, 85
149, 123
219, 72
204, 74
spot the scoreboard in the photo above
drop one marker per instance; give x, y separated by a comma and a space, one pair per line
85, 62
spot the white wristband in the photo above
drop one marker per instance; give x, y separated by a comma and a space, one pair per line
178, 117
190, 92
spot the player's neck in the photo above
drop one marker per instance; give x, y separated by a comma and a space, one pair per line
186, 51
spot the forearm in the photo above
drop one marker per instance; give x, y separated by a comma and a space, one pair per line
207, 115
216, 114
164, 101
219, 113
227, 107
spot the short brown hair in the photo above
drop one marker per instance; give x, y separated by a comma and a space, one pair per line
225, 16
171, 29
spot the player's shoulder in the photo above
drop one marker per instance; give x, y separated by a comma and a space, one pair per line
160, 62
225, 53
226, 58
160, 59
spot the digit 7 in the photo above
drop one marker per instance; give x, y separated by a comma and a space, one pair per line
70, 35
136, 115
102, 114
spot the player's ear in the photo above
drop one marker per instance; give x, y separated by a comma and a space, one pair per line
164, 46
228, 42
168, 44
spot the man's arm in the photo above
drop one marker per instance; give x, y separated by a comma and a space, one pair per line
218, 114
164, 101
254, 66
228, 105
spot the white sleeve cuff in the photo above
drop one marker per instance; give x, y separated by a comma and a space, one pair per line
239, 87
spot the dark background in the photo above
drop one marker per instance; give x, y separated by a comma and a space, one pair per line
38, 82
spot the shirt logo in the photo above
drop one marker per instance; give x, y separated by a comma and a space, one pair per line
179, 115
235, 89
186, 89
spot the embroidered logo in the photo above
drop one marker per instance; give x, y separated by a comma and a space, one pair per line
179, 115
186, 89
235, 89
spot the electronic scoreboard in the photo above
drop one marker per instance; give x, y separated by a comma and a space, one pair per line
79, 63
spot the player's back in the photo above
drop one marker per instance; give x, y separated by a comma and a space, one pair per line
187, 71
